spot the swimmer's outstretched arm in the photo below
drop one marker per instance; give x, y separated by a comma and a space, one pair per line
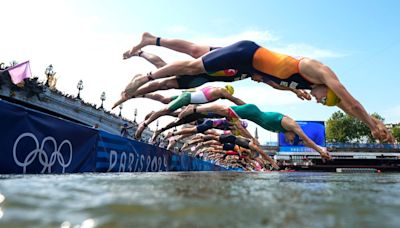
232, 98
299, 92
290, 125
353, 107
388, 137
253, 145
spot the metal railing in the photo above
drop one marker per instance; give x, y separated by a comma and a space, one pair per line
363, 145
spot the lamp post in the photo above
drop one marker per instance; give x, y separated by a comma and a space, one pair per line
135, 114
49, 70
120, 110
102, 98
13, 63
79, 87
157, 123
49, 73
270, 139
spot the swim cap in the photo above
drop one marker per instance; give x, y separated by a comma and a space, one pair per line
230, 89
244, 123
331, 98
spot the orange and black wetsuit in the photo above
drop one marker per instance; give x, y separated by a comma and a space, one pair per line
247, 56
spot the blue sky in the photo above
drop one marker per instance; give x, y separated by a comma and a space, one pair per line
359, 40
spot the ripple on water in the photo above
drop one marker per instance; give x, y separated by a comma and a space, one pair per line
183, 199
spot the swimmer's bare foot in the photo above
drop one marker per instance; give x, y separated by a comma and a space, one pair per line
201, 152
187, 111
148, 115
124, 97
169, 134
171, 143
198, 146
130, 89
185, 146
138, 53
140, 129
147, 39
155, 135
129, 54
136, 82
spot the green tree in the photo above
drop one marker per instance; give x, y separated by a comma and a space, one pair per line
396, 133
365, 132
344, 128
337, 129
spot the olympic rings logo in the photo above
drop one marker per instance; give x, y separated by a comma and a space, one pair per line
41, 153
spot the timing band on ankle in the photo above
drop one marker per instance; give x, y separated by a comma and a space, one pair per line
149, 78
158, 41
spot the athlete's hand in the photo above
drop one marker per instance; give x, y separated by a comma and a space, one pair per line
386, 135
325, 155
275, 166
381, 133
376, 133
303, 94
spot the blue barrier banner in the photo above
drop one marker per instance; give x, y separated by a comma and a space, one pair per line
118, 154
34, 142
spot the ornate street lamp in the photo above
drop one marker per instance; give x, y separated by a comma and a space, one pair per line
102, 98
135, 113
13, 63
49, 70
49, 73
79, 87
256, 134
120, 110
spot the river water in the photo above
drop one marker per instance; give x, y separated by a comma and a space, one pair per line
201, 199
